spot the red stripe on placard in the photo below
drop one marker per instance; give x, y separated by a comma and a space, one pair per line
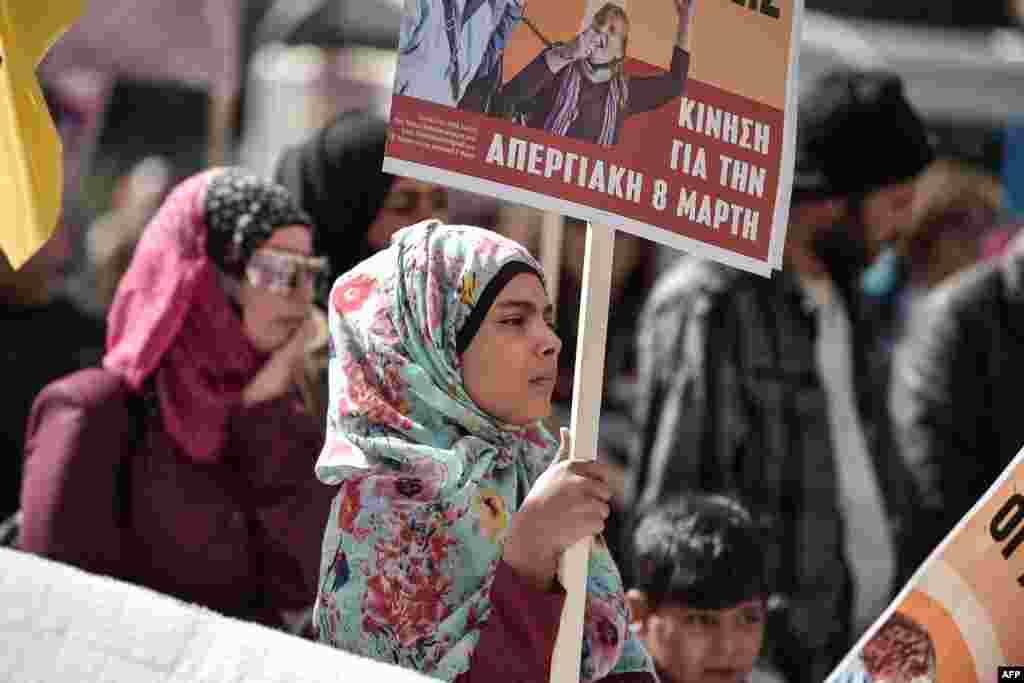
452, 140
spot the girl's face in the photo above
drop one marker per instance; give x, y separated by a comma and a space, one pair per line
611, 40
510, 367
705, 646
408, 202
277, 294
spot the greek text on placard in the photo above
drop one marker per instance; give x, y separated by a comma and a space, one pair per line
1007, 523
448, 137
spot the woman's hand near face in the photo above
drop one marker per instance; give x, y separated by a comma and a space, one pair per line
579, 48
284, 368
568, 503
585, 43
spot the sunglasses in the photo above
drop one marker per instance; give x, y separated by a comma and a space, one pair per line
282, 272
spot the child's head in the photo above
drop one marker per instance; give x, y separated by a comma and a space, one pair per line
699, 594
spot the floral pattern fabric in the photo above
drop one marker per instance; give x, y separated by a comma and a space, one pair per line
427, 481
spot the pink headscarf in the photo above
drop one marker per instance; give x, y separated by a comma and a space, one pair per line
171, 319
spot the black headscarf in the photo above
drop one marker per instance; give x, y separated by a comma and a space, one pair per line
838, 115
336, 177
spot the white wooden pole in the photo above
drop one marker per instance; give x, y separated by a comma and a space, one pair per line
588, 381
552, 229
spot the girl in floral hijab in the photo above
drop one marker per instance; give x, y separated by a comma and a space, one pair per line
440, 548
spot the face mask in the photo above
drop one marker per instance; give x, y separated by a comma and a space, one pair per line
282, 272
884, 276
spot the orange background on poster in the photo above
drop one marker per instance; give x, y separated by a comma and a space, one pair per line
992, 578
953, 659
733, 48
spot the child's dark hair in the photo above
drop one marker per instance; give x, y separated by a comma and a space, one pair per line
702, 551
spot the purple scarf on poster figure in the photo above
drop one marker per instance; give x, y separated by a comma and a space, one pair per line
566, 108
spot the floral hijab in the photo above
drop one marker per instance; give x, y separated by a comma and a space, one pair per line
427, 481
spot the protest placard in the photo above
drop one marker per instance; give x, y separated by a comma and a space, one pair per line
670, 119
959, 617
30, 151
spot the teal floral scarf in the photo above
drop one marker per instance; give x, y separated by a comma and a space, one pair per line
427, 481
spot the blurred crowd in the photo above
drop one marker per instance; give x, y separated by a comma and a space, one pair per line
166, 364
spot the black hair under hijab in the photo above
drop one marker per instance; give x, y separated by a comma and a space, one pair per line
701, 551
336, 178
486, 300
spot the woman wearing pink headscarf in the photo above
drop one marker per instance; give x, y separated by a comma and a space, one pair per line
185, 463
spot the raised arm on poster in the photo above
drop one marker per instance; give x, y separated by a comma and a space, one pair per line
958, 618
641, 115
31, 164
